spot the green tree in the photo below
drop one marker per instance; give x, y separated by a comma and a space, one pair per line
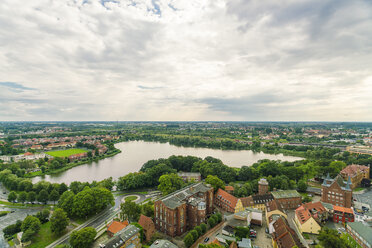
215, 182
59, 221
130, 211
22, 197
211, 222
329, 238
188, 240
203, 227
66, 202
43, 196
12, 196
30, 226
199, 230
169, 183
148, 209
62, 188
219, 217
43, 215
302, 186
31, 196
54, 196
194, 234
43, 169
83, 203
83, 238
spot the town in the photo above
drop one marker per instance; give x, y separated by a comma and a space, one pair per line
322, 200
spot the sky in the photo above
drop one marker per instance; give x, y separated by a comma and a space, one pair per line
185, 60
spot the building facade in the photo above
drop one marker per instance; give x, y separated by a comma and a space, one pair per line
263, 186
361, 233
129, 237
184, 209
189, 176
287, 199
341, 214
337, 192
356, 173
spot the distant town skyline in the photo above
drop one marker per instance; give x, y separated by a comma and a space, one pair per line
194, 60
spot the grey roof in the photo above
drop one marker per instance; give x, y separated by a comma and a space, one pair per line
261, 199
178, 197
339, 180
363, 230
122, 236
285, 194
245, 243
163, 244
190, 174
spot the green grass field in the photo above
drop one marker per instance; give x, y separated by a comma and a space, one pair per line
65, 153
44, 237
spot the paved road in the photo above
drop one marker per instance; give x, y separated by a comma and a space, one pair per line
100, 220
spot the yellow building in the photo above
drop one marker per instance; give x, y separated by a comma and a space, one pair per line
309, 216
273, 208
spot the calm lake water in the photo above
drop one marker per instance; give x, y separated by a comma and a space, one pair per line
135, 153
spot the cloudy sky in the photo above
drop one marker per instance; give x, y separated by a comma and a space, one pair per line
186, 60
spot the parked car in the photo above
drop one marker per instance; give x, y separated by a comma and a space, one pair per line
206, 239
253, 236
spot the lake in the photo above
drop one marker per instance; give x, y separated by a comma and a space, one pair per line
135, 153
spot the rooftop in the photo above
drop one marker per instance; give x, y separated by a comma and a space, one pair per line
353, 169
178, 197
121, 237
363, 230
116, 226
285, 194
245, 243
342, 209
227, 198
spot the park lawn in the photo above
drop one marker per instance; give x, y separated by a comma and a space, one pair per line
44, 237
358, 189
66, 153
130, 198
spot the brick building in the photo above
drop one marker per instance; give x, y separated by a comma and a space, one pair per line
263, 186
283, 235
227, 202
287, 199
341, 214
356, 173
184, 209
257, 201
116, 226
337, 191
361, 233
148, 226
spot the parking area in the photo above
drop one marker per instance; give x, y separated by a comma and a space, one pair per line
365, 197
263, 239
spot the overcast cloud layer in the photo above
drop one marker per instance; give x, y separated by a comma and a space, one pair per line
186, 60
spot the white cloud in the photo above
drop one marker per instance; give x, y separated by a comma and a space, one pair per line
186, 60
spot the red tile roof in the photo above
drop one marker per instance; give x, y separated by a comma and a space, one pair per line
342, 209
229, 199
229, 188
273, 205
308, 210
28, 154
116, 226
353, 169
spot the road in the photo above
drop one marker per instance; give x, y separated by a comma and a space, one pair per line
100, 220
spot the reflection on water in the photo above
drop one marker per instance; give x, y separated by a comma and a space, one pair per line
135, 153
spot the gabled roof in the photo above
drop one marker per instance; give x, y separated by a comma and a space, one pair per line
262, 199
247, 201
285, 236
116, 226
340, 182
342, 209
310, 210
363, 230
273, 205
353, 169
163, 244
229, 199
229, 188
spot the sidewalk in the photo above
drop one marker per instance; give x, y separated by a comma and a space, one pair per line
208, 233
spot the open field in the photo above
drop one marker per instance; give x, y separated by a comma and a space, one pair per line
65, 153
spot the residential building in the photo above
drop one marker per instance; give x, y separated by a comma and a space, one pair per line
337, 192
116, 226
273, 207
284, 236
361, 233
257, 201
162, 243
188, 176
245, 218
227, 202
148, 226
263, 186
309, 217
341, 214
356, 173
184, 209
128, 237
287, 199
